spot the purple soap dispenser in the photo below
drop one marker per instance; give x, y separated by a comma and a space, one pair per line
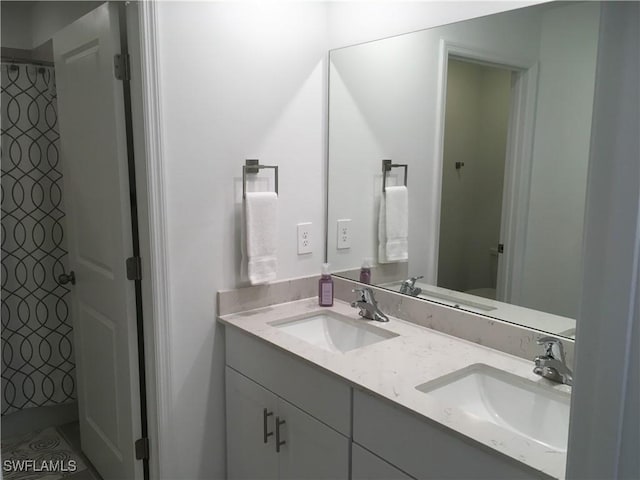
325, 287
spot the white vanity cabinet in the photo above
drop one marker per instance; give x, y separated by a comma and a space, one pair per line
425, 450
330, 429
285, 418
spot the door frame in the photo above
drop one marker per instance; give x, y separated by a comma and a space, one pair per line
142, 27
518, 159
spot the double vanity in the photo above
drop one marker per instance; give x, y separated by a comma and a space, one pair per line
323, 393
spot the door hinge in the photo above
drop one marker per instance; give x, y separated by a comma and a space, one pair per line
134, 268
501, 248
121, 66
142, 448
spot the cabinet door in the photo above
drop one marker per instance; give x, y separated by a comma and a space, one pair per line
425, 449
312, 449
366, 466
248, 456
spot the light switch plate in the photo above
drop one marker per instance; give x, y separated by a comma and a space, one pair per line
344, 234
304, 238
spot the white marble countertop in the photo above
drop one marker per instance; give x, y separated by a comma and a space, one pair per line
393, 368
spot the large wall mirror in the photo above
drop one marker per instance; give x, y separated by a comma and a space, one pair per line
490, 119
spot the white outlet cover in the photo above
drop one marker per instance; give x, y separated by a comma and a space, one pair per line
305, 238
344, 234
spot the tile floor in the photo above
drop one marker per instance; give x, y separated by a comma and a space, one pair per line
71, 433
34, 445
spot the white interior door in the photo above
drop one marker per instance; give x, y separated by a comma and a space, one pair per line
94, 156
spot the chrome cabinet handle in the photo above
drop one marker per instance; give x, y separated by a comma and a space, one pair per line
64, 278
265, 415
278, 442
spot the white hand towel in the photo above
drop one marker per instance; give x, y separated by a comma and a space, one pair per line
261, 220
393, 225
382, 231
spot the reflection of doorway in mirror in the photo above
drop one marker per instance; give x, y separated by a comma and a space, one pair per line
476, 130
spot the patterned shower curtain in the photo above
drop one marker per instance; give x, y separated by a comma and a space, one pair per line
37, 347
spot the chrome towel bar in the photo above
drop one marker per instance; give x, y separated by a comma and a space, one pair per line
387, 165
253, 166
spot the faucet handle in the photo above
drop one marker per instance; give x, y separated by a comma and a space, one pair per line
362, 293
411, 281
553, 347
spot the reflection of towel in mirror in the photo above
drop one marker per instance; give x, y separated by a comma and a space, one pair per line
261, 217
393, 225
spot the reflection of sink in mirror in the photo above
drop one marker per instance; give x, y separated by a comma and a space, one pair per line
333, 332
450, 297
536, 412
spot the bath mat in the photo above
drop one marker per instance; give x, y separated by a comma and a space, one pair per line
42, 455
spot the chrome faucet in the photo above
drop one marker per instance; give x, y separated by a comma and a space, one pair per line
552, 365
408, 287
368, 305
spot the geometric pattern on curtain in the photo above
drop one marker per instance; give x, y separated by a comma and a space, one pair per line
38, 366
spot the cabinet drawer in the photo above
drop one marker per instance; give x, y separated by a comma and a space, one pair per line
323, 396
424, 449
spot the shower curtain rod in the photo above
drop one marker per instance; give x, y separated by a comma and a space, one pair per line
26, 61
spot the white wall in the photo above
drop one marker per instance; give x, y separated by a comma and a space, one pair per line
553, 254
239, 80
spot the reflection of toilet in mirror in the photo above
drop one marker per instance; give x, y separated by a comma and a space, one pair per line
489, 292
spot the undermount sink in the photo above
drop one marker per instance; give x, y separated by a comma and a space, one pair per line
333, 332
534, 411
